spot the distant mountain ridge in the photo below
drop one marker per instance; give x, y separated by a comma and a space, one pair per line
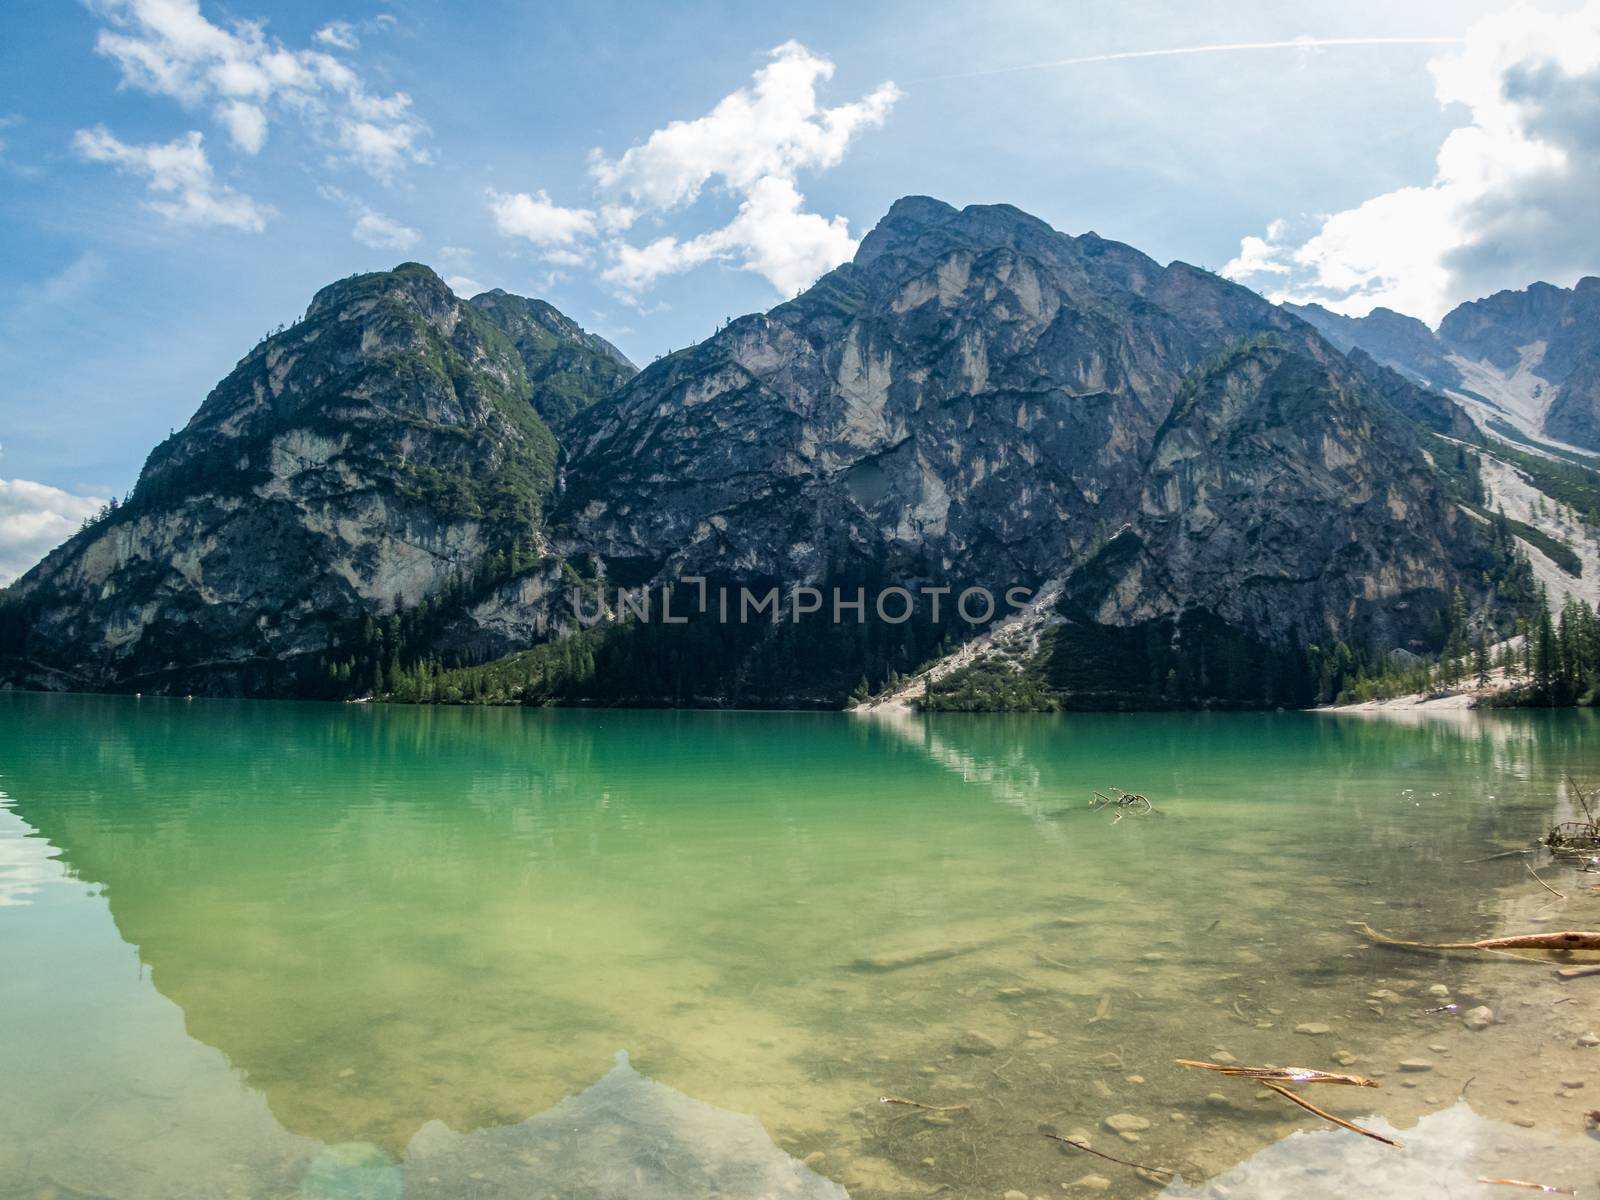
1534, 354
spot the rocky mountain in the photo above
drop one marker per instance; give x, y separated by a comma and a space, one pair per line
1392, 338
978, 394
975, 399
388, 444
568, 369
1530, 358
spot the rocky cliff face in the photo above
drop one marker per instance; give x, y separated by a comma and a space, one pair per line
1530, 358
975, 399
1280, 498
351, 464
568, 369
977, 394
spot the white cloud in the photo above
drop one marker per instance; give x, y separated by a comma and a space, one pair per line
461, 285
1511, 199
537, 219
751, 146
770, 235
773, 129
34, 519
339, 34
246, 124
179, 177
170, 48
383, 233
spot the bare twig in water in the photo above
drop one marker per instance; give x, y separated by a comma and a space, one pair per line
1440, 1009
1532, 1187
919, 1104
1121, 1162
1583, 798
1566, 940
1492, 857
1280, 1074
1125, 803
1328, 1116
1542, 883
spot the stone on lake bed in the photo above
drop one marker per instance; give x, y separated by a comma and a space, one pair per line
1343, 1057
1589, 1040
1439, 990
1415, 1065
1313, 1028
1091, 1183
1125, 1123
1478, 1018
974, 1042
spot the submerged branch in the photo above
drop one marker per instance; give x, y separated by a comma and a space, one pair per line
1542, 883
919, 1104
1280, 1074
1328, 1116
1121, 1162
1532, 1187
1566, 940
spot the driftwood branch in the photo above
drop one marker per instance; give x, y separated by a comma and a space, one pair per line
1532, 1187
1566, 940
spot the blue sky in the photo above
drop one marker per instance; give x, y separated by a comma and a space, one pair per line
178, 177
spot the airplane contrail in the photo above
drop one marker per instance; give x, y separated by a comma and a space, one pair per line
1300, 43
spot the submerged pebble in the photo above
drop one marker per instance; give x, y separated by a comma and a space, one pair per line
974, 1042
1125, 1123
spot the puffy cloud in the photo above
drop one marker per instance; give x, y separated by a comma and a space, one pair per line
461, 285
179, 178
752, 146
770, 235
383, 233
339, 34
246, 124
170, 48
34, 519
773, 129
1512, 194
540, 221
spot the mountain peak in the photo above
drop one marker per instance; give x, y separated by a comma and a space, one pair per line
417, 281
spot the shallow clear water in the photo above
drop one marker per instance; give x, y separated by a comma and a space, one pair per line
301, 950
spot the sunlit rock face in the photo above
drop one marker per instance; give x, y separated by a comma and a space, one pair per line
349, 465
979, 394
